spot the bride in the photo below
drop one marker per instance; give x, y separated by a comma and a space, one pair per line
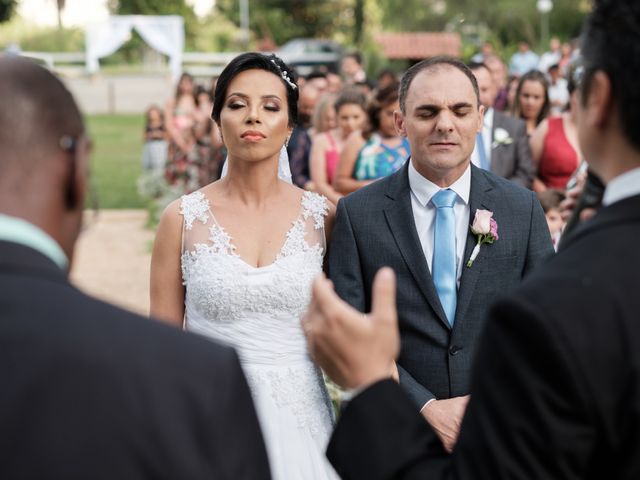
235, 261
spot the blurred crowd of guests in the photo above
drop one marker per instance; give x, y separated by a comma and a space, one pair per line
346, 136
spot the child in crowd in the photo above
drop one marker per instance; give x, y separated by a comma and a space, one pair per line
550, 200
154, 152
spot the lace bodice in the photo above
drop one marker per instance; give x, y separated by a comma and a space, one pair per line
222, 288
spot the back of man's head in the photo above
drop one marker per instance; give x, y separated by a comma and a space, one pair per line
611, 43
37, 113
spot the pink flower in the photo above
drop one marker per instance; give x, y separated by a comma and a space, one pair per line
494, 229
485, 228
482, 222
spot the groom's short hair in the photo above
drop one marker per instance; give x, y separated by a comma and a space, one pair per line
611, 43
434, 63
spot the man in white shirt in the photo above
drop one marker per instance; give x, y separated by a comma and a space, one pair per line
502, 146
556, 390
417, 221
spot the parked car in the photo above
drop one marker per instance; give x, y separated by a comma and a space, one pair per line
307, 54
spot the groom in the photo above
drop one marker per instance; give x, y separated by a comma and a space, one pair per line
417, 222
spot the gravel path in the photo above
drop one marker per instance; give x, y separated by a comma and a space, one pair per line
112, 259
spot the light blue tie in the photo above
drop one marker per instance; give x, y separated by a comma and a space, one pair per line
482, 153
444, 252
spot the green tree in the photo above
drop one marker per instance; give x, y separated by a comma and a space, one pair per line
7, 7
283, 20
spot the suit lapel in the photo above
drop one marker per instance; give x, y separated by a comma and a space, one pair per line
399, 215
478, 199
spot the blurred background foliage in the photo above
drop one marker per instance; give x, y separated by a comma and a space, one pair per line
352, 23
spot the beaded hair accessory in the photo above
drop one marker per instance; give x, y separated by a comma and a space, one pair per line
284, 75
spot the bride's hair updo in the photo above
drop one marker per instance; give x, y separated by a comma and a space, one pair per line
257, 61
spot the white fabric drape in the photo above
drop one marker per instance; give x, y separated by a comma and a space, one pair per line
163, 33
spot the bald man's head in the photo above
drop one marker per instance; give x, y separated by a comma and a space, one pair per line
37, 111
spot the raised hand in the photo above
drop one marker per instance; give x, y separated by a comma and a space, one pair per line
354, 349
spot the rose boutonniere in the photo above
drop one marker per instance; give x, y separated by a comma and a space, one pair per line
485, 228
501, 137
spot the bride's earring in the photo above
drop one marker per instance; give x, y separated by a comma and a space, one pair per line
286, 142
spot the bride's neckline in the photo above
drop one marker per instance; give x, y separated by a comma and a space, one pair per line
233, 251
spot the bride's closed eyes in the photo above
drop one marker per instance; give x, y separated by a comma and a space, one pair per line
271, 104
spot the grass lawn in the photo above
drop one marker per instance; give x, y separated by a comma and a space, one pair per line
115, 164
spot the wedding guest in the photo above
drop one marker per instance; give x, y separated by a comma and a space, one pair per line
352, 70
558, 91
327, 147
552, 56
318, 80
324, 115
386, 78
523, 61
502, 146
90, 390
532, 99
376, 152
554, 143
154, 151
299, 145
179, 115
550, 201
499, 74
556, 393
335, 82
417, 222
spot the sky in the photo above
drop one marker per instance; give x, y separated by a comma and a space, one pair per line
82, 12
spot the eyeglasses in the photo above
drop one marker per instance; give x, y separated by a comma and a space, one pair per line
74, 146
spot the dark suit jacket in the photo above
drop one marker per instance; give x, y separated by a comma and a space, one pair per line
91, 391
375, 227
512, 161
556, 385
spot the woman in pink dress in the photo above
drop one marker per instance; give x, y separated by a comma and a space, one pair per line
327, 146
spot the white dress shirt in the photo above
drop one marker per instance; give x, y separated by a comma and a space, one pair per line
623, 186
424, 213
487, 128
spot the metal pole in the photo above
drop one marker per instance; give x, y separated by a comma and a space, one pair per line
244, 22
545, 30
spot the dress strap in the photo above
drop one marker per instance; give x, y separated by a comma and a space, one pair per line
194, 206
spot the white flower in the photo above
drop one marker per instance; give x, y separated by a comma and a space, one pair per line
501, 137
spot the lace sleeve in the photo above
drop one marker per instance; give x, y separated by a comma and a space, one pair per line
194, 209
315, 208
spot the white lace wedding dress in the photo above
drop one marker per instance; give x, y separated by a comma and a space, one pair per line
257, 310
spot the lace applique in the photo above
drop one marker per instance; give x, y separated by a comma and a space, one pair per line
221, 241
194, 206
314, 205
294, 389
295, 242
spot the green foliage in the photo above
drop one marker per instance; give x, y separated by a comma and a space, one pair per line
31, 37
7, 7
115, 162
283, 20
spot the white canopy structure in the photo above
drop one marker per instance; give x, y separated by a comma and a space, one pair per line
164, 33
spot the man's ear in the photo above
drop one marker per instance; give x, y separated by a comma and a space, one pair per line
480, 118
77, 180
398, 119
599, 101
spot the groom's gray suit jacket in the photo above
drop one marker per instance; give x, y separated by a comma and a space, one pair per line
375, 227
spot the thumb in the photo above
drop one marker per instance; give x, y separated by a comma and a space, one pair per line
383, 303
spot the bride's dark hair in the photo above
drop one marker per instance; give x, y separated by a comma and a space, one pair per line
257, 61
